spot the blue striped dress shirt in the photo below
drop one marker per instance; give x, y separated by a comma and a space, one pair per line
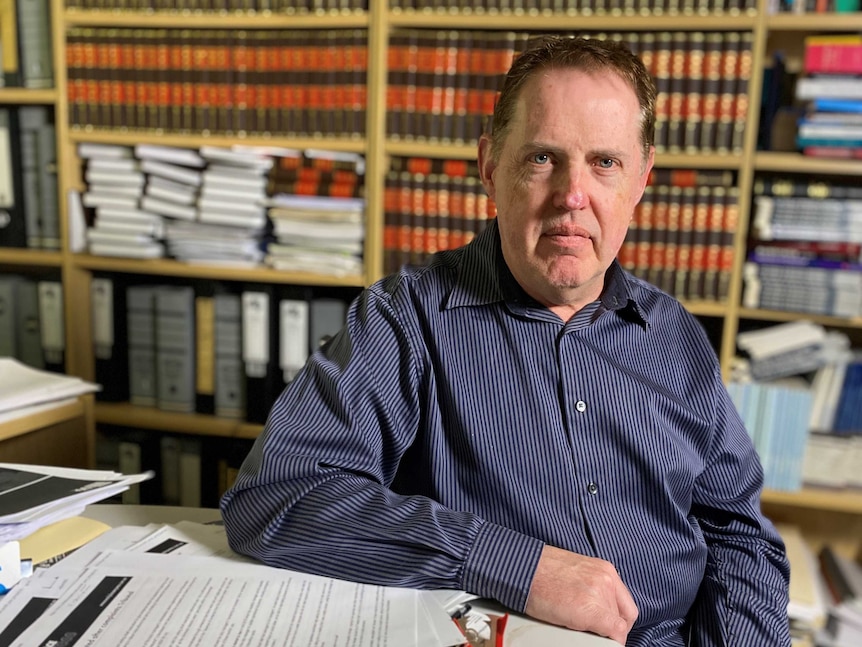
455, 426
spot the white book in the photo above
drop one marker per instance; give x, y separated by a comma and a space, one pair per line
149, 229
234, 193
780, 338
252, 221
220, 205
249, 157
166, 193
151, 250
234, 177
166, 208
172, 154
124, 178
113, 164
108, 199
89, 150
132, 214
96, 235
172, 171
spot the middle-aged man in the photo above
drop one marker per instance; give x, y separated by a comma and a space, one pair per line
521, 418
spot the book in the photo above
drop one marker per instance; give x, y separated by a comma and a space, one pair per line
259, 335
13, 223
229, 370
832, 54
141, 344
175, 348
34, 40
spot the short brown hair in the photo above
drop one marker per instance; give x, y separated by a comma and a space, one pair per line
586, 54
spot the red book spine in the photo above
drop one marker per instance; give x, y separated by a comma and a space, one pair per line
838, 55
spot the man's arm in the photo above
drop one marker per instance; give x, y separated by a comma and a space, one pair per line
314, 493
743, 598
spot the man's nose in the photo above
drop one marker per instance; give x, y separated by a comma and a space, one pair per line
571, 193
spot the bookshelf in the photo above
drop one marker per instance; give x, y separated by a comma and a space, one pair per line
722, 318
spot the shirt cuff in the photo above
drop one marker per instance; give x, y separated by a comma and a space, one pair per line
501, 565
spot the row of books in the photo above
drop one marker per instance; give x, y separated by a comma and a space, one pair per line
442, 84
584, 7
207, 347
776, 417
517, 7
191, 471
431, 206
31, 321
682, 240
26, 50
28, 178
284, 82
812, 6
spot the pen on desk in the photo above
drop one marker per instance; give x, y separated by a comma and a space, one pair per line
460, 612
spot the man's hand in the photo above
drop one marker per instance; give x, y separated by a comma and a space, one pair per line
582, 593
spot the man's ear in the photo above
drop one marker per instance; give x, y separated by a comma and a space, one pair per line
486, 165
646, 172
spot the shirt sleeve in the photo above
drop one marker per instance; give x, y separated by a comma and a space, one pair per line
744, 594
315, 493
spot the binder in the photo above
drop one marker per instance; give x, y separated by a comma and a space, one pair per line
29, 336
13, 228
108, 329
205, 347
8, 315
258, 344
175, 348
328, 316
169, 447
139, 450
53, 328
141, 330
294, 317
229, 369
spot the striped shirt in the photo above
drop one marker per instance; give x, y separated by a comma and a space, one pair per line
455, 426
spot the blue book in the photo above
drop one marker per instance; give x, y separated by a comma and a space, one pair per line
836, 105
849, 401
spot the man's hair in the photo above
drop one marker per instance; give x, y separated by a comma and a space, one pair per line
589, 55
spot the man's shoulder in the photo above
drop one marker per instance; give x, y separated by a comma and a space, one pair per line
435, 278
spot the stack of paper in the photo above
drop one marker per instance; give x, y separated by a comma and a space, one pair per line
22, 386
33, 496
182, 585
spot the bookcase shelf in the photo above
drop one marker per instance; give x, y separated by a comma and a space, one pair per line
130, 138
167, 267
380, 21
798, 163
212, 20
127, 415
28, 96
29, 257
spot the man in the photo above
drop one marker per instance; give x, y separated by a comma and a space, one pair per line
522, 419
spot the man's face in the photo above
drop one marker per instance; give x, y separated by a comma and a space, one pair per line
569, 175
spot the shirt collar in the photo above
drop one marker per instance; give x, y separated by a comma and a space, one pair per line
483, 277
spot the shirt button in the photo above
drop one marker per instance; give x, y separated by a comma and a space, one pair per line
581, 406
592, 488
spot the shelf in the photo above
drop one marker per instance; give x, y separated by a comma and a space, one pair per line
468, 152
212, 20
154, 136
127, 415
480, 19
167, 267
28, 96
779, 315
41, 418
798, 163
811, 22
843, 501
30, 257
706, 308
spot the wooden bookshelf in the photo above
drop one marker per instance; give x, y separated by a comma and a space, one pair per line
380, 21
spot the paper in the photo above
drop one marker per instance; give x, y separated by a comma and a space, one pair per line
176, 586
22, 386
60, 537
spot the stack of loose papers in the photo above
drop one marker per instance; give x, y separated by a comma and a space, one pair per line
181, 585
33, 496
23, 387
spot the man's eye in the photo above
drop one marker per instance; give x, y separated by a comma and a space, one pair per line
606, 162
541, 158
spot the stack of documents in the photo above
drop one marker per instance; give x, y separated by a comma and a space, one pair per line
182, 585
23, 388
33, 496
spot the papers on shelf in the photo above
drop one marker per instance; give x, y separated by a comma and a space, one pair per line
33, 496
23, 386
139, 586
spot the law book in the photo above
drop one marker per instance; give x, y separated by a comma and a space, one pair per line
30, 120
204, 347
741, 94
169, 448
692, 108
791, 187
28, 324
712, 86
46, 156
10, 72
662, 77
675, 130
13, 223
175, 348
141, 345
229, 370
108, 329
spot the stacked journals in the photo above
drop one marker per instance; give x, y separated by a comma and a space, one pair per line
832, 124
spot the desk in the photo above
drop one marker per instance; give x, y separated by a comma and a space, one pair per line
521, 631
